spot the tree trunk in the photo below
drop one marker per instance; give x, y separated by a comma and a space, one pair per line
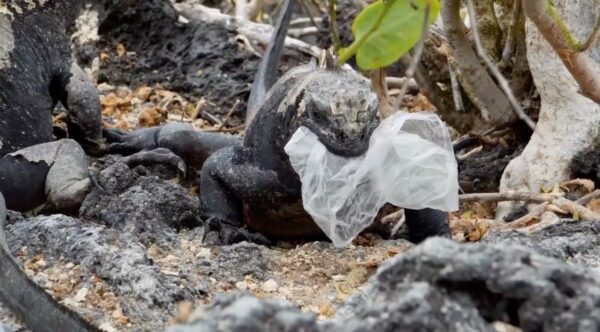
568, 121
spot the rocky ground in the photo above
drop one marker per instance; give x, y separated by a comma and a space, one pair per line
133, 258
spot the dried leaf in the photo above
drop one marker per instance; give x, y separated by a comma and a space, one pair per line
153, 116
120, 50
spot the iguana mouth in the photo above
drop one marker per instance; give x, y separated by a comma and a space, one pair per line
340, 143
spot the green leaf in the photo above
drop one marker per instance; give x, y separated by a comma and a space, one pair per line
399, 30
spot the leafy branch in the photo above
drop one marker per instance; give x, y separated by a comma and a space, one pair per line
386, 30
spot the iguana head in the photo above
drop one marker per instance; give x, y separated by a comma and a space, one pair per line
341, 109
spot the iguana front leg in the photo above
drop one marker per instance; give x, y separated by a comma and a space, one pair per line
80, 97
426, 223
183, 140
228, 179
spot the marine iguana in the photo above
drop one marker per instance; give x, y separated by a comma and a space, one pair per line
249, 190
37, 72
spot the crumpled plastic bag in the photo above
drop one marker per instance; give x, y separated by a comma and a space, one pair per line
410, 163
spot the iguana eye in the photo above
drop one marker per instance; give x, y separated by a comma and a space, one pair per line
362, 116
340, 120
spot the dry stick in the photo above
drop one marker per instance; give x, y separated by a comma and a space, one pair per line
547, 219
592, 37
526, 219
410, 72
305, 20
393, 217
496, 72
301, 32
589, 197
253, 31
335, 33
306, 11
470, 153
456, 92
583, 69
574, 208
226, 130
233, 108
508, 196
509, 46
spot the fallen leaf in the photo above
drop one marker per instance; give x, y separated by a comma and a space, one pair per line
120, 50
152, 116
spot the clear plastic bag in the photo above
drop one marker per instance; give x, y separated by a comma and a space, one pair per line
410, 163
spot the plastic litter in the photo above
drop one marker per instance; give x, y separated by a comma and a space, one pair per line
410, 163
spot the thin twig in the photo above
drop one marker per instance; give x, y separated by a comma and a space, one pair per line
576, 209
233, 109
508, 196
301, 32
456, 91
393, 217
306, 11
509, 46
527, 219
212, 118
589, 197
416, 58
592, 37
333, 27
227, 130
470, 153
305, 20
504, 85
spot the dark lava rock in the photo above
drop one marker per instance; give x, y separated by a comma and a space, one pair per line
439, 285
116, 257
586, 164
145, 206
244, 312
239, 260
576, 242
482, 171
507, 283
195, 59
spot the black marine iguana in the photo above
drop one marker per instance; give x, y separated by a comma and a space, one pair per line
252, 184
37, 72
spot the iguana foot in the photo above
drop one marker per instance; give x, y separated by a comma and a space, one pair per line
156, 156
126, 143
426, 223
221, 233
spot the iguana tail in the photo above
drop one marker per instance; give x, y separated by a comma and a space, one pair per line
38, 309
267, 70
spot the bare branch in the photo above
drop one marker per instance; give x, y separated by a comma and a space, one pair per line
479, 86
509, 46
301, 32
305, 20
333, 27
398, 82
504, 85
456, 91
379, 84
589, 197
583, 69
306, 11
527, 219
592, 37
253, 31
508, 196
